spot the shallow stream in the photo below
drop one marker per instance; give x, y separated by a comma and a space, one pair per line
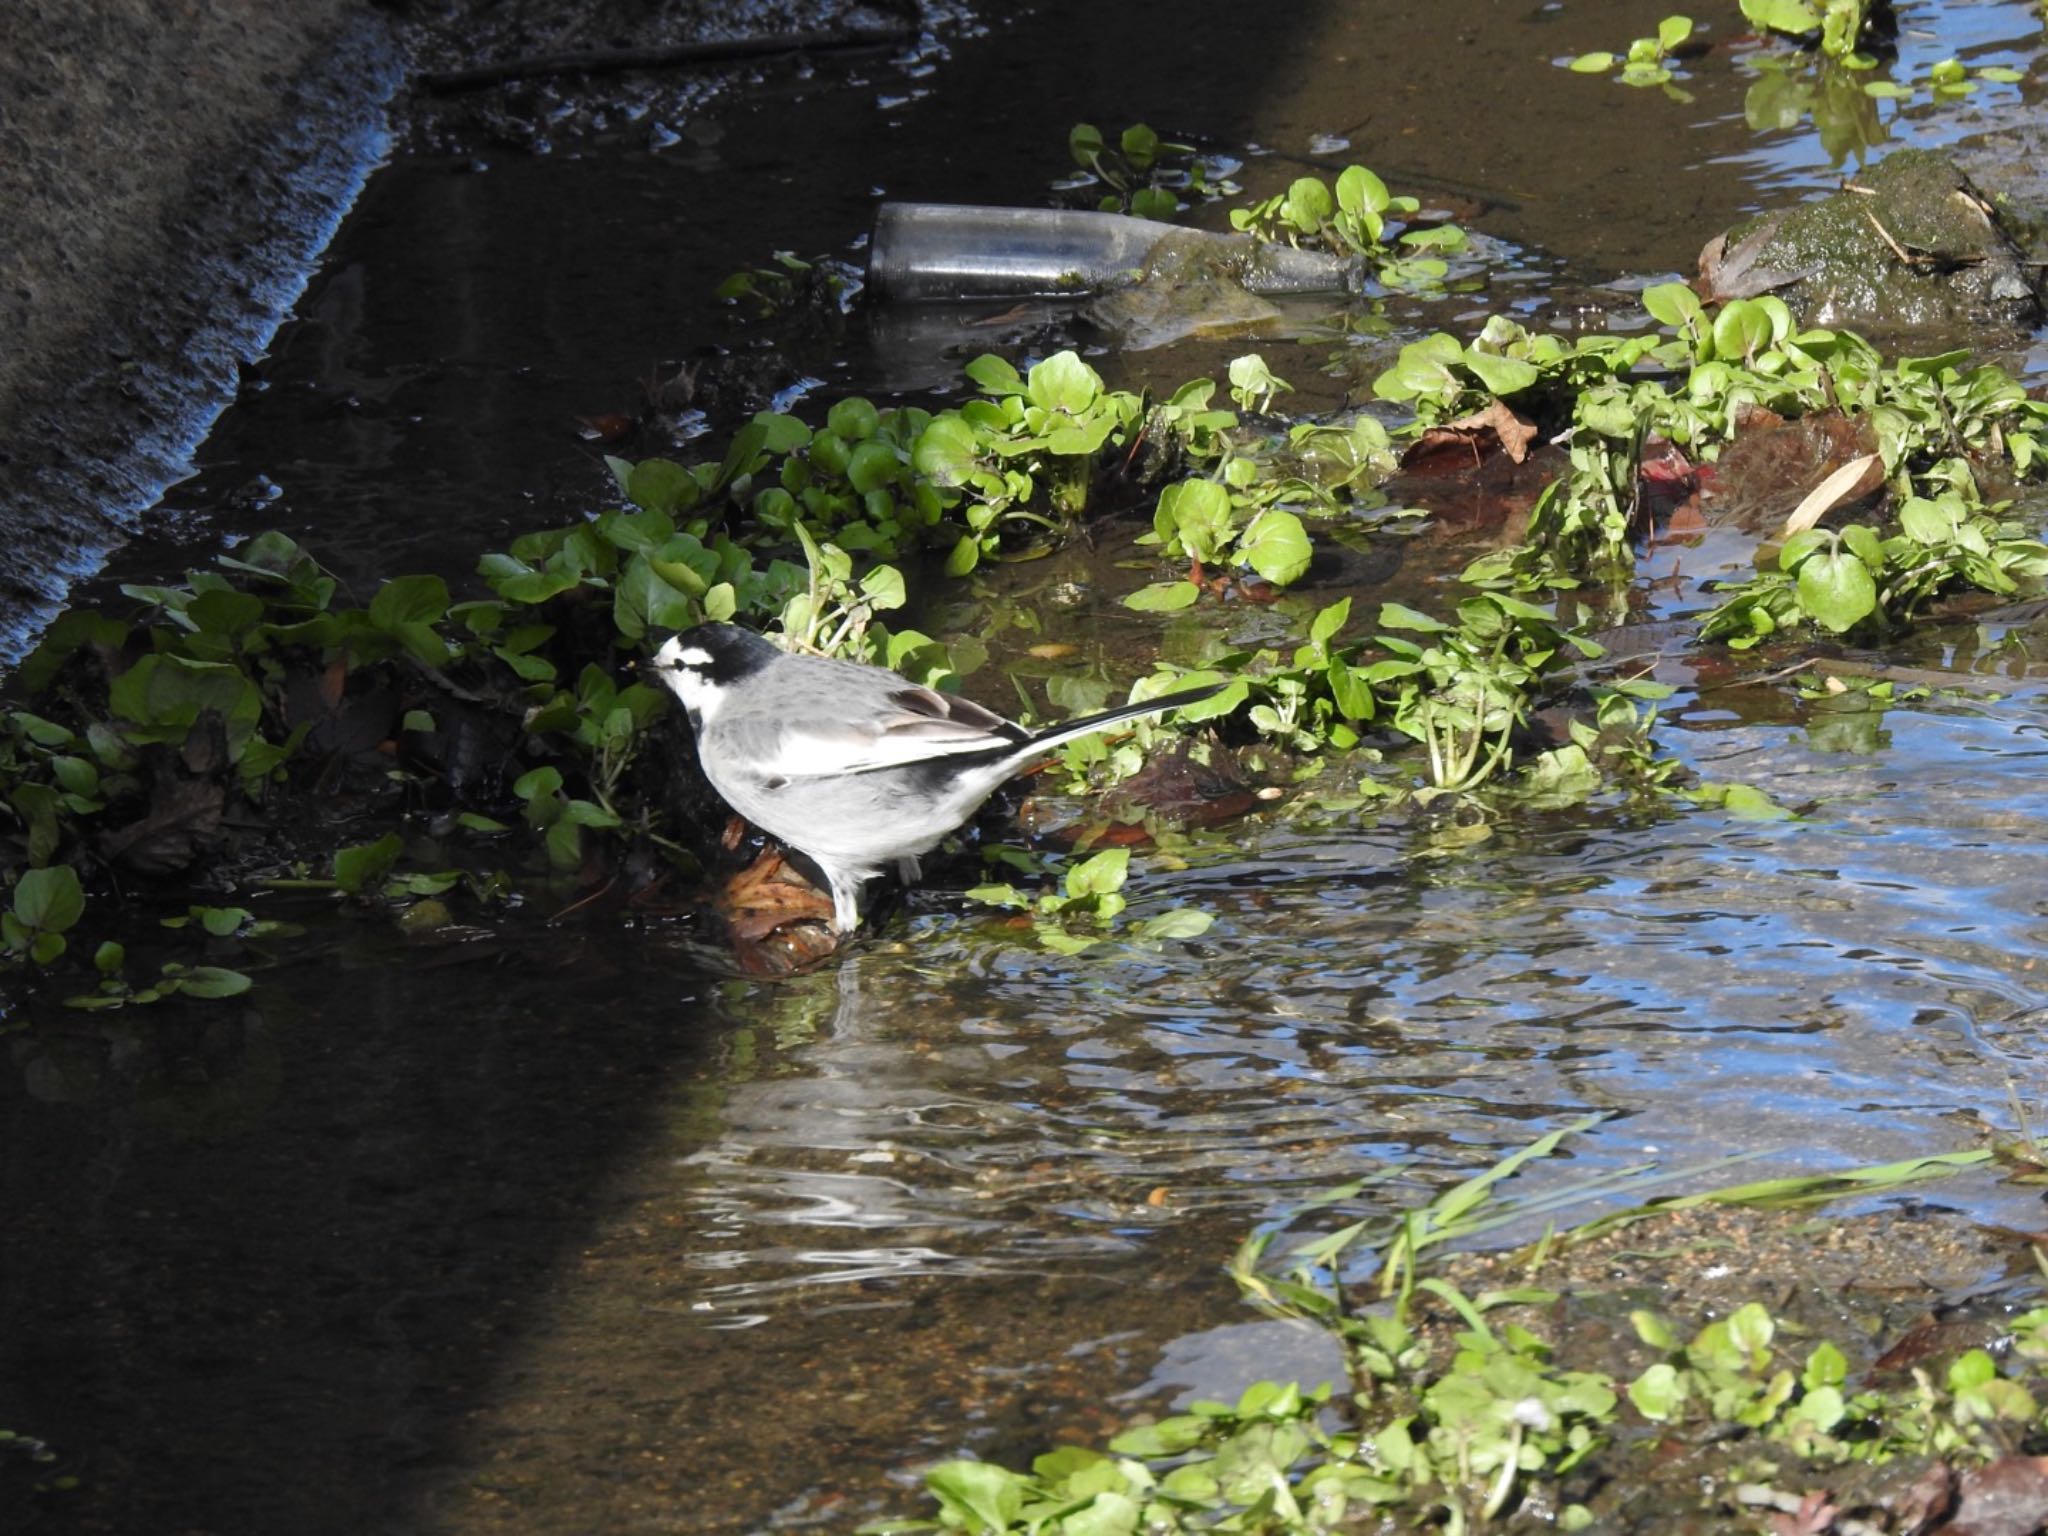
566, 1227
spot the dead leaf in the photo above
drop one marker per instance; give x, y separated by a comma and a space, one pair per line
2007, 1498
183, 820
1855, 479
1931, 1497
1773, 464
334, 682
1471, 438
1812, 1516
1932, 1340
768, 894
1740, 272
607, 428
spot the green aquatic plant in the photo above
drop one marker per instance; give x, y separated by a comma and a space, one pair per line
1465, 690
1644, 62
1852, 581
1458, 1413
1354, 217
1838, 28
1144, 174
1026, 455
1079, 914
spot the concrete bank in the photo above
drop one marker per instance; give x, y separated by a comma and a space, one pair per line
169, 170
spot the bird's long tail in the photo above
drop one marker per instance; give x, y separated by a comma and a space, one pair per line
1054, 736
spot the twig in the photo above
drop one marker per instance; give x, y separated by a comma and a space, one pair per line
611, 61
583, 901
1885, 235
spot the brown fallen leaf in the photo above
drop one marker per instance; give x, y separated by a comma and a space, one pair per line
1740, 271
768, 894
1932, 1340
1496, 429
182, 821
1812, 1516
1931, 1498
2009, 1497
1773, 464
606, 428
1854, 480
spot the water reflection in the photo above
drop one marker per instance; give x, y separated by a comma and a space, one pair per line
1827, 990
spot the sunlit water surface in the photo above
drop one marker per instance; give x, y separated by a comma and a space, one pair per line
568, 1228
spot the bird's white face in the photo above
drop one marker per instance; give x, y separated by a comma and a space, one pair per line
685, 669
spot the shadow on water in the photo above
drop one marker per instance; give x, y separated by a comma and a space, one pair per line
560, 1228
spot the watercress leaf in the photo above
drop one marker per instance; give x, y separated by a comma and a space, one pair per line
1276, 545
1360, 191
1591, 63
1100, 874
1401, 616
355, 869
1652, 1330
225, 612
1502, 376
1741, 329
49, 900
1792, 17
212, 981
1658, 1391
1329, 621
948, 451
1168, 1437
1154, 203
1162, 596
883, 587
409, 599
1056, 938
1425, 368
1672, 304
1836, 589
223, 922
978, 1494
1181, 923
1063, 383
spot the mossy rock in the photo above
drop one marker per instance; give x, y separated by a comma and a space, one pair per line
1910, 245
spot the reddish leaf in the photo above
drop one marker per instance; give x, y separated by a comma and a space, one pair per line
608, 428
1813, 1517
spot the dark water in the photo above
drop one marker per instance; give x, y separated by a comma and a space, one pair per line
560, 1227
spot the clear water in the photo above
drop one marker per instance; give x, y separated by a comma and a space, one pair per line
565, 1227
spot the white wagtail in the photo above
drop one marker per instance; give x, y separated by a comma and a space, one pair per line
852, 766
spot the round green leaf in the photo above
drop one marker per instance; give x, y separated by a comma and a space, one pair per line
1163, 597
1277, 546
1063, 382
948, 450
212, 981
1835, 589
49, 900
854, 419
1359, 191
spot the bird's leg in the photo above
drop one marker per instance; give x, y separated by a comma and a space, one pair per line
907, 869
845, 902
